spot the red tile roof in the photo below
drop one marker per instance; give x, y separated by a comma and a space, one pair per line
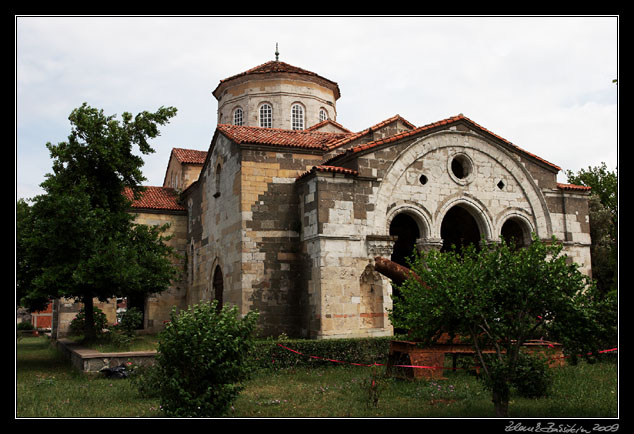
351, 137
328, 122
189, 156
442, 123
276, 66
332, 169
156, 198
317, 140
573, 187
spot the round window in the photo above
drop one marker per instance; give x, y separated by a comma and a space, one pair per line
461, 168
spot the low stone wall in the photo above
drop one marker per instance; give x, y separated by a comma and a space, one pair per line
88, 360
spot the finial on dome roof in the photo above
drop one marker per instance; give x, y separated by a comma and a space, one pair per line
277, 54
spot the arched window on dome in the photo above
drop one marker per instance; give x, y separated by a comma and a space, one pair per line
266, 116
323, 115
237, 116
297, 117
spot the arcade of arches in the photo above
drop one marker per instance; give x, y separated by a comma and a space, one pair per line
459, 228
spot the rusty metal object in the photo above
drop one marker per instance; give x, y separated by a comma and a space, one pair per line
394, 271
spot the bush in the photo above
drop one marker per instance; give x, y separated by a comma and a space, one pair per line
24, 325
269, 354
77, 324
131, 320
202, 360
532, 377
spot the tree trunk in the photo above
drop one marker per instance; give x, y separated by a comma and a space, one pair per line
90, 334
501, 403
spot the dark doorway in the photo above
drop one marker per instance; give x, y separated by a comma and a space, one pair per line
405, 228
218, 286
513, 234
459, 229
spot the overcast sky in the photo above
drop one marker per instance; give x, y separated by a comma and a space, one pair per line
543, 83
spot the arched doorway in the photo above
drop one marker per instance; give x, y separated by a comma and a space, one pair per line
218, 286
405, 228
459, 228
514, 234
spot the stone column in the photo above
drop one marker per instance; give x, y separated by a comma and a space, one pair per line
427, 244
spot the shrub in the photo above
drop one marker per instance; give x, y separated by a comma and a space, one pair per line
24, 325
131, 320
77, 324
268, 353
532, 377
202, 360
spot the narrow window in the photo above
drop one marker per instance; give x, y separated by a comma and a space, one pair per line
266, 116
237, 116
218, 286
218, 171
297, 117
323, 115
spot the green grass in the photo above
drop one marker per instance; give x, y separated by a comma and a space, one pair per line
48, 387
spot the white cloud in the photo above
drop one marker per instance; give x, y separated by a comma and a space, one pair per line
544, 83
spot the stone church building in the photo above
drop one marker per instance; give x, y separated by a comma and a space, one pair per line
286, 210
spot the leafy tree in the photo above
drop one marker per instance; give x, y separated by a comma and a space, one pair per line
78, 239
498, 297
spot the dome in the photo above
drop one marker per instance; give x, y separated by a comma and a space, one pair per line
276, 95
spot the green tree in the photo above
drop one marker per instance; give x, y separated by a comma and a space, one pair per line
498, 297
603, 211
78, 239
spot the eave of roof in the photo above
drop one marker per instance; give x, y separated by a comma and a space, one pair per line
354, 136
435, 125
275, 66
329, 122
302, 139
189, 156
155, 199
331, 169
573, 187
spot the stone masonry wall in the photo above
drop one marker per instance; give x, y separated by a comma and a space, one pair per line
345, 296
346, 219
571, 225
159, 306
272, 272
214, 227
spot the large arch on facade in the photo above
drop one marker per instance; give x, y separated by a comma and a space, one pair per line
538, 217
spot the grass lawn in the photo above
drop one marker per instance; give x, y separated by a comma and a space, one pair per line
47, 386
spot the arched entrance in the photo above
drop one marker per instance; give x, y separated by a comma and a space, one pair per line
405, 228
218, 285
459, 228
514, 233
